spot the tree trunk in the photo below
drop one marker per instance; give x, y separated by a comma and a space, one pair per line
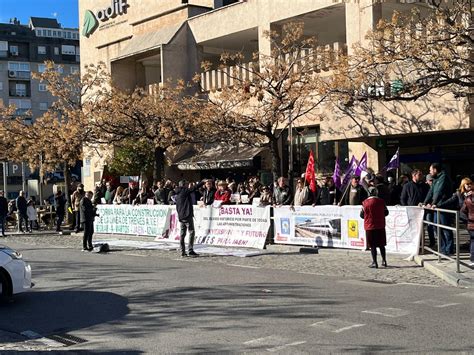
67, 183
159, 164
276, 161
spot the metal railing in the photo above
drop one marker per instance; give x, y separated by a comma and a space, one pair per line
439, 227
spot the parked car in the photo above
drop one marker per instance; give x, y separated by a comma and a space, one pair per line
15, 273
59, 176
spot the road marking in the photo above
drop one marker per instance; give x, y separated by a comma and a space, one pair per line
284, 346
415, 284
245, 266
140, 255
436, 303
336, 325
466, 294
262, 340
388, 312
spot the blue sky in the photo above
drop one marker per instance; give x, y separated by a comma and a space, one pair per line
64, 10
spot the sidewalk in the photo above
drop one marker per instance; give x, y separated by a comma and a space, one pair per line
446, 270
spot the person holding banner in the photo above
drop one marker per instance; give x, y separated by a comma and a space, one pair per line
356, 194
374, 212
184, 208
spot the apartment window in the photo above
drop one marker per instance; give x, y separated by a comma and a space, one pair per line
74, 70
69, 50
56, 50
41, 68
49, 33
20, 89
14, 50
18, 66
3, 46
54, 33
21, 105
42, 87
38, 32
43, 106
68, 35
41, 50
59, 69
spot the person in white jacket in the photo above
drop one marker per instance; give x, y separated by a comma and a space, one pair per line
32, 215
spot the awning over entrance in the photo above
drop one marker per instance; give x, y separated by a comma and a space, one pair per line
148, 41
220, 157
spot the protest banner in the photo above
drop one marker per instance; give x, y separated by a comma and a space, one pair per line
232, 226
144, 220
342, 227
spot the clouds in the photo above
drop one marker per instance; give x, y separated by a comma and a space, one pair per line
54, 14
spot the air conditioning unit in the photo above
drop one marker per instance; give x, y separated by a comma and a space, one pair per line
12, 74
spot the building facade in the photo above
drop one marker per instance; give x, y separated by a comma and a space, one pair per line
148, 42
23, 50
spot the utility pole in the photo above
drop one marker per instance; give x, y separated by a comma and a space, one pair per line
5, 184
23, 176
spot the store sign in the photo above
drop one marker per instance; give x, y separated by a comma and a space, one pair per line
91, 19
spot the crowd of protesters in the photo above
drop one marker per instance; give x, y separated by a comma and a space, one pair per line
435, 190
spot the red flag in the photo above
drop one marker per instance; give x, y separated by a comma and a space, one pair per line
309, 175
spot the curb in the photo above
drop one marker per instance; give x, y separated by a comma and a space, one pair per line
451, 277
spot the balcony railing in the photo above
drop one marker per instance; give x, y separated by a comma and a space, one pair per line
216, 79
19, 93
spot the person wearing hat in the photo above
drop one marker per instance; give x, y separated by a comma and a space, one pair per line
373, 213
76, 198
356, 193
3, 212
223, 193
184, 208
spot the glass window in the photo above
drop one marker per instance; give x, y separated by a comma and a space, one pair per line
42, 87
38, 32
41, 50
54, 34
68, 35
59, 69
14, 50
16, 66
43, 106
49, 33
74, 70
56, 50
69, 50
41, 68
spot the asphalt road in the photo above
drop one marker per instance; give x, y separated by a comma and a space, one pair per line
135, 304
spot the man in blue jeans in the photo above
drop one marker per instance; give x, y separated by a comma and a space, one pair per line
3, 212
441, 190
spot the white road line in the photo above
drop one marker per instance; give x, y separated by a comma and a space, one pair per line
466, 294
259, 340
349, 327
388, 312
435, 303
335, 325
140, 255
284, 346
415, 284
245, 266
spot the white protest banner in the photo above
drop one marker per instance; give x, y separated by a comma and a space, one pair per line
342, 227
144, 220
232, 226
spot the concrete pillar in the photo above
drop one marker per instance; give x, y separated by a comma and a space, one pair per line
264, 44
361, 16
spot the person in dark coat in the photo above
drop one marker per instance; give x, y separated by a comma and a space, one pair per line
414, 192
374, 212
161, 194
356, 193
208, 193
184, 208
441, 190
60, 202
468, 210
328, 194
22, 205
3, 212
382, 188
88, 214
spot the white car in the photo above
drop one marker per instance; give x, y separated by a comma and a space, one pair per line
15, 274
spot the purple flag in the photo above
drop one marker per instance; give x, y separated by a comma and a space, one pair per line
394, 163
349, 172
337, 174
362, 166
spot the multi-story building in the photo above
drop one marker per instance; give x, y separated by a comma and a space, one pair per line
147, 42
23, 49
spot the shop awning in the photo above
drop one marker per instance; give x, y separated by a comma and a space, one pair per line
147, 41
219, 157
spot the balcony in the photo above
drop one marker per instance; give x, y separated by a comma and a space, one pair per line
19, 93
217, 79
17, 74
